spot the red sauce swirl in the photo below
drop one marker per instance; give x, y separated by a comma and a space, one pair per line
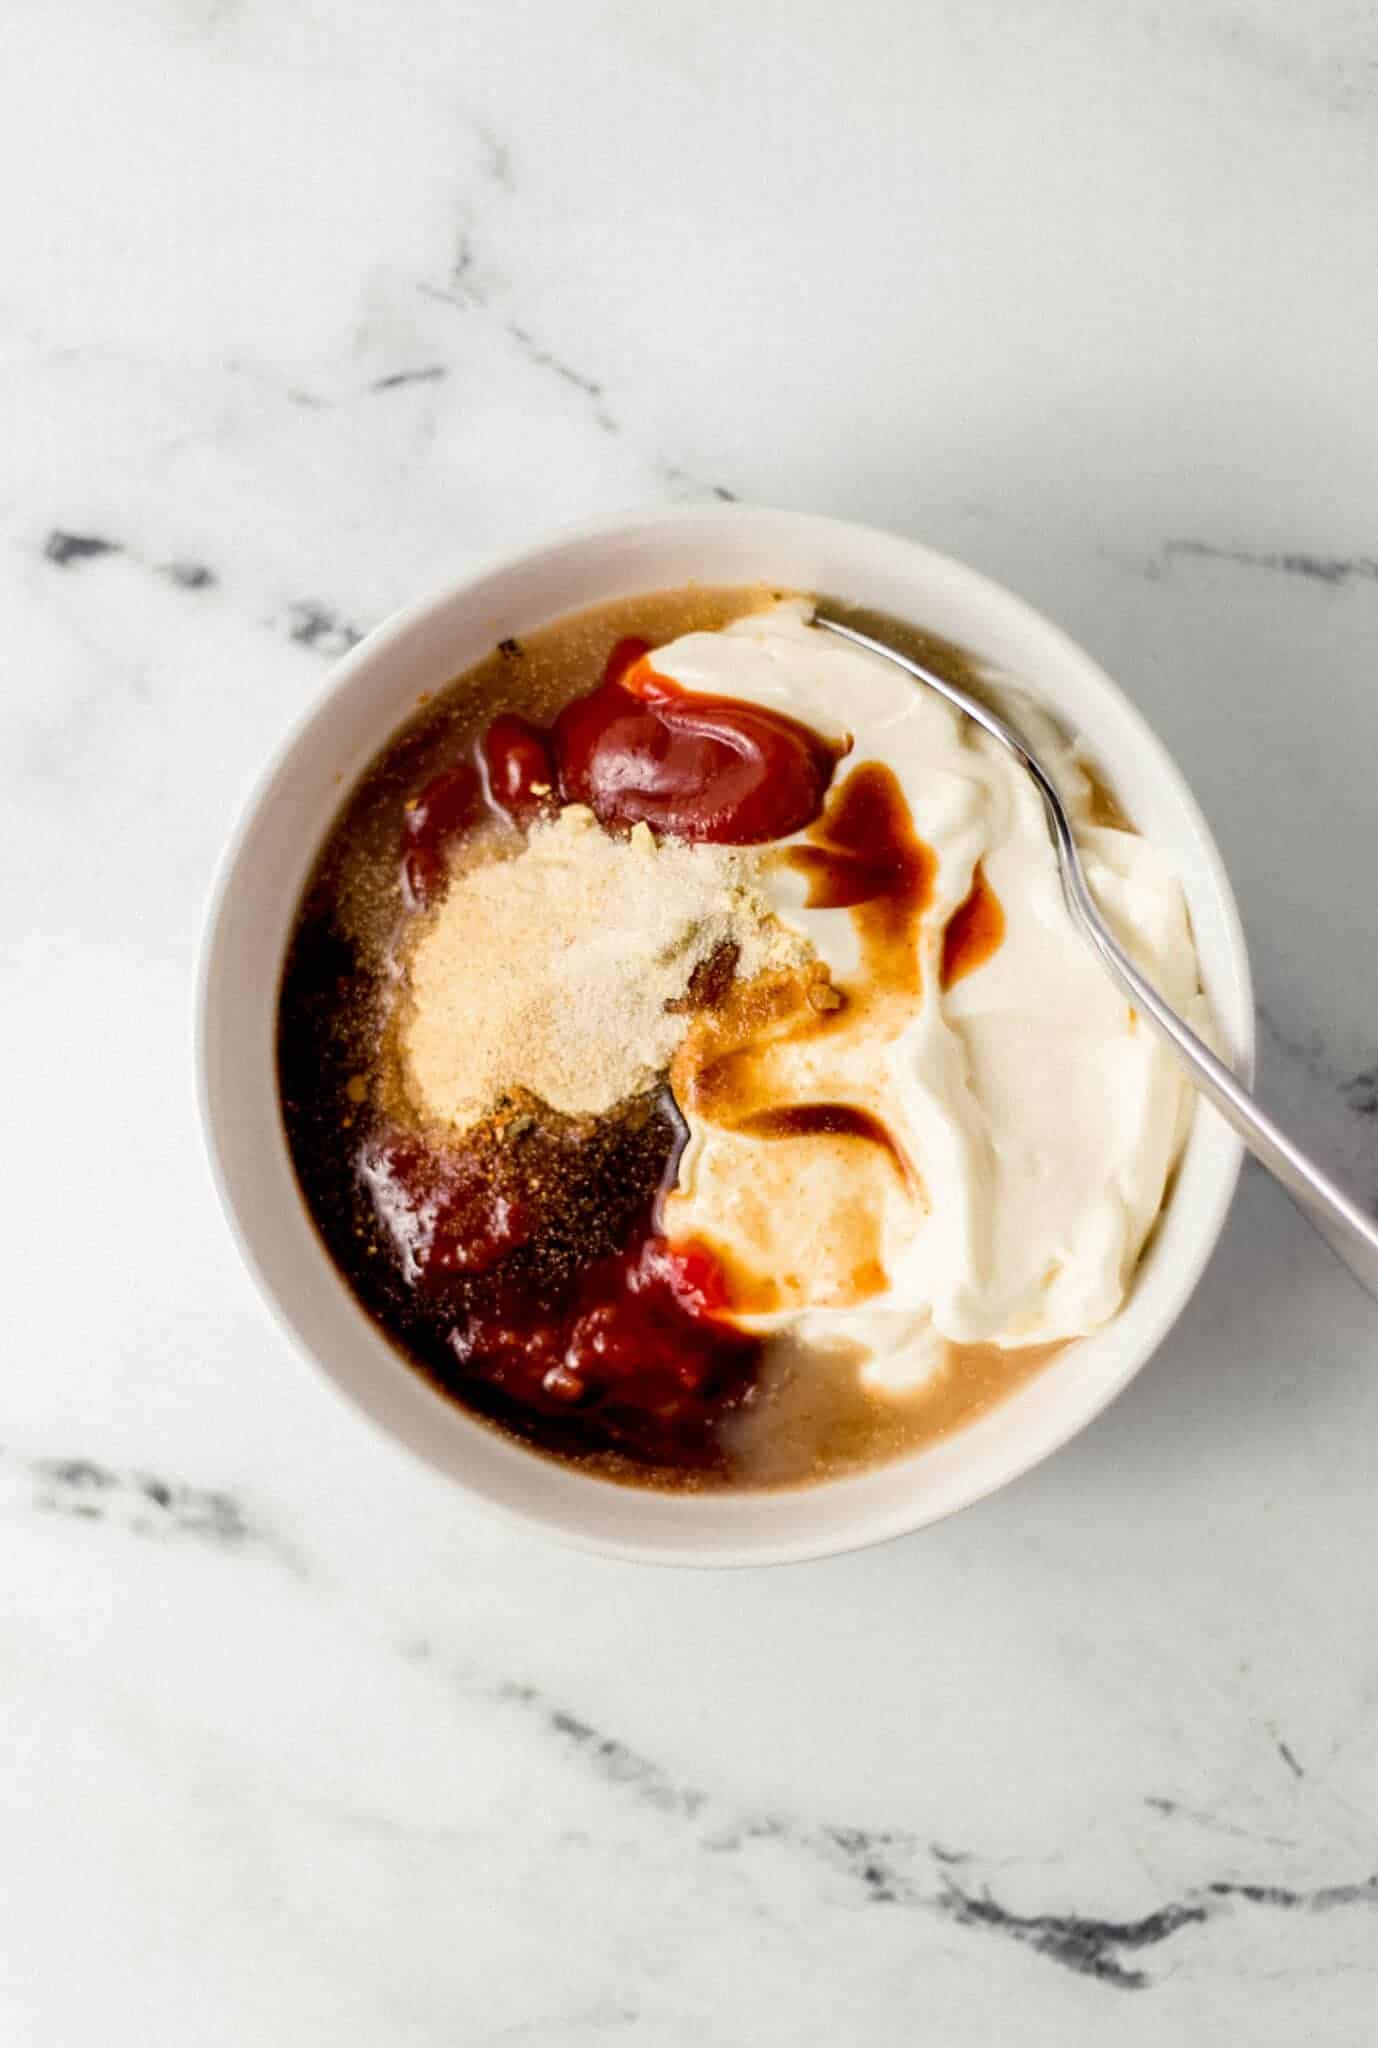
640, 750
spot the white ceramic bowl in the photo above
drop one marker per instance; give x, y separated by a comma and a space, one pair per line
256, 895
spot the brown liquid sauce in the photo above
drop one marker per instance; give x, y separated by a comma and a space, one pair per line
807, 1418
867, 857
974, 931
810, 1424
828, 1120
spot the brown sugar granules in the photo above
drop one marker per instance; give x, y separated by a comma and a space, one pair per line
564, 970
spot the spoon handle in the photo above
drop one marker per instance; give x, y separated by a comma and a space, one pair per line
1346, 1228
1349, 1232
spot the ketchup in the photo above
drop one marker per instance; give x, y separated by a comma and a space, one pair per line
640, 750
627, 1348
636, 1357
444, 1209
518, 766
631, 1349
447, 806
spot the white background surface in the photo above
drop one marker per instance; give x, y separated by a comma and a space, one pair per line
294, 1747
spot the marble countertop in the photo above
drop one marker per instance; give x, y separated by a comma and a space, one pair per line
306, 307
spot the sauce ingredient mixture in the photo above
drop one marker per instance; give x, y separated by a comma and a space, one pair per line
652, 1045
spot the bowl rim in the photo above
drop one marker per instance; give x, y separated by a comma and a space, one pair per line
680, 1549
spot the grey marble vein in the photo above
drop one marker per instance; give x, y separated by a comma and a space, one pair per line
67, 550
320, 628
1091, 1947
472, 285
309, 623
1214, 1823
429, 373
497, 157
62, 548
683, 483
81, 1489
1320, 1898
466, 284
1353, 1090
1334, 570
189, 575
543, 358
899, 1868
1360, 1091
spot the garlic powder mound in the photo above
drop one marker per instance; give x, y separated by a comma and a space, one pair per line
552, 971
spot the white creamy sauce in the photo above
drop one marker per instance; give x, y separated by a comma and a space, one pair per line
1042, 1118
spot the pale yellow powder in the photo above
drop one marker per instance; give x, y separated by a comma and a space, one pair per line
552, 971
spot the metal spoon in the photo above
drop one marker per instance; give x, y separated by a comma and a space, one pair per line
1338, 1218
